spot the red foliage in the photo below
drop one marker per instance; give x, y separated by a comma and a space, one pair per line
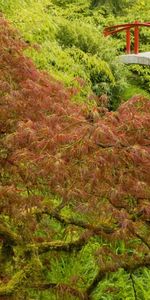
100, 168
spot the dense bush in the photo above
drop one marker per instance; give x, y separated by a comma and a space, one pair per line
75, 196
82, 36
63, 30
113, 6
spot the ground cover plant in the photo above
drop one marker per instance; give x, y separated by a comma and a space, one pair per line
75, 188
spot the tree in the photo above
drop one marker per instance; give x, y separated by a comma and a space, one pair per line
68, 178
116, 7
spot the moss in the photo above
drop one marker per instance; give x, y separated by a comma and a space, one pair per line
12, 286
10, 237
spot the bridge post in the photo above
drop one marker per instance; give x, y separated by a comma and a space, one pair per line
136, 38
128, 44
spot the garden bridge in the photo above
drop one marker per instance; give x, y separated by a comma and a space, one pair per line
142, 58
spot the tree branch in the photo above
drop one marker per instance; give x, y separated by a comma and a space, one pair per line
58, 245
79, 223
140, 238
133, 231
134, 289
61, 287
9, 288
9, 236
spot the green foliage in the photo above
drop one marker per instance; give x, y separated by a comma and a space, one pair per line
64, 3
80, 35
121, 286
65, 33
141, 74
132, 90
30, 18
113, 6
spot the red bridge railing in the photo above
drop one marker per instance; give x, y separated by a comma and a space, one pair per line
128, 27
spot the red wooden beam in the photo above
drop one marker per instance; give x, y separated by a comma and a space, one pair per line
108, 32
136, 38
128, 43
128, 24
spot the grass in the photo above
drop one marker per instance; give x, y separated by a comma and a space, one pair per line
132, 90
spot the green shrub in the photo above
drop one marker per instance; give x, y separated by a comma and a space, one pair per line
141, 74
80, 35
71, 44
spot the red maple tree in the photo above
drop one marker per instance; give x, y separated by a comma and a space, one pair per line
96, 168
